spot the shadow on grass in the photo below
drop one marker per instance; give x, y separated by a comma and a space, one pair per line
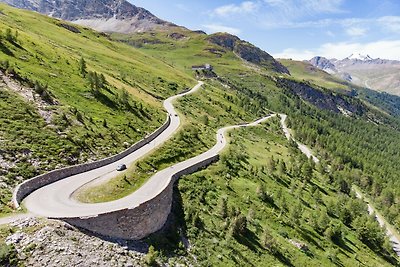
250, 240
5, 50
381, 253
351, 242
308, 236
238, 258
321, 189
281, 181
283, 259
342, 244
105, 100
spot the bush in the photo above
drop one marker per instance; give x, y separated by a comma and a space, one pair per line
151, 257
8, 255
238, 226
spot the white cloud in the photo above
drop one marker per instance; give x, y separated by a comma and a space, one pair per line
381, 49
330, 34
182, 7
213, 28
233, 9
323, 6
289, 10
356, 31
391, 23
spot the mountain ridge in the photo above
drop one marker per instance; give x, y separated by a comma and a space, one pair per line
101, 15
363, 70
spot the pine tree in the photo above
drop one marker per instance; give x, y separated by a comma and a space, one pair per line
238, 226
271, 164
82, 67
223, 208
9, 36
268, 241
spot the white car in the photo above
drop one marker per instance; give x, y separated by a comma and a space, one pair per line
121, 167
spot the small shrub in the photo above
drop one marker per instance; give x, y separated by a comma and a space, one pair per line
151, 257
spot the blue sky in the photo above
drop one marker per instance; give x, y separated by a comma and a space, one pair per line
297, 29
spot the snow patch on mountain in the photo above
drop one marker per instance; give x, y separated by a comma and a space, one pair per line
359, 56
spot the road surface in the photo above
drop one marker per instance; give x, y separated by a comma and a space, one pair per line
306, 151
390, 232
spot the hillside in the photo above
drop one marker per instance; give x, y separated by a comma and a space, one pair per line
262, 204
44, 87
305, 71
278, 92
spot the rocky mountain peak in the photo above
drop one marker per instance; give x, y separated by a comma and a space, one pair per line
323, 63
102, 15
247, 51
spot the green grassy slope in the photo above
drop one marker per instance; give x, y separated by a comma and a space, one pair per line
306, 71
191, 48
261, 177
43, 55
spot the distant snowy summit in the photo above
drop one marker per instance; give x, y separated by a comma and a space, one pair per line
358, 56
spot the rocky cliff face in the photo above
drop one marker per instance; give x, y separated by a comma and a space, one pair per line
103, 15
323, 99
247, 51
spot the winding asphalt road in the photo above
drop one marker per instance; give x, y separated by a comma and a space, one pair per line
56, 201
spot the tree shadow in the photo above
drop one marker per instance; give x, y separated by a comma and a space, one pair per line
105, 100
281, 181
250, 240
239, 254
351, 242
283, 259
308, 236
5, 50
321, 189
342, 244
17, 45
381, 253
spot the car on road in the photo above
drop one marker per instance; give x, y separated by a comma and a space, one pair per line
121, 167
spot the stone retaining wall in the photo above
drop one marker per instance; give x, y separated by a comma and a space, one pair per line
141, 221
27, 187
